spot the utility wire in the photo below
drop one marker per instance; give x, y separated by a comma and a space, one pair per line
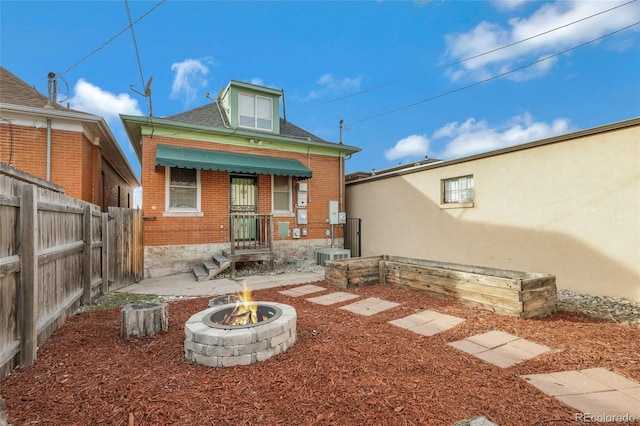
114, 37
135, 44
147, 87
459, 89
391, 83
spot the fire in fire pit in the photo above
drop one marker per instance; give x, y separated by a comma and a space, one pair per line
242, 316
245, 313
240, 333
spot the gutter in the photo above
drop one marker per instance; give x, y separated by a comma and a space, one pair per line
142, 121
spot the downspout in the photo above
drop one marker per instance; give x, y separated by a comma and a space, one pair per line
49, 149
309, 167
341, 180
52, 88
341, 169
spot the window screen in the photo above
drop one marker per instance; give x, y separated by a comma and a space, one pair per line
183, 189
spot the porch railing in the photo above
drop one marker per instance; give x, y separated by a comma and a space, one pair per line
251, 231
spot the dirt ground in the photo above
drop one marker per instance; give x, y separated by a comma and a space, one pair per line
344, 369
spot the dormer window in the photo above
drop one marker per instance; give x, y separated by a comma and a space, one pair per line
255, 112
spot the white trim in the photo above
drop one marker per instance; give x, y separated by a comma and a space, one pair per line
255, 112
290, 201
174, 211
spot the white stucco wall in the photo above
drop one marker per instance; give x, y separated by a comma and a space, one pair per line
569, 207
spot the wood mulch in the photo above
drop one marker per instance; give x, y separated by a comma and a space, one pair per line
344, 369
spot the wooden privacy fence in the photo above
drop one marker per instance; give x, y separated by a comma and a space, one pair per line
55, 256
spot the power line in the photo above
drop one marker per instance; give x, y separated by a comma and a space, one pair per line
147, 87
114, 37
459, 89
382, 86
135, 44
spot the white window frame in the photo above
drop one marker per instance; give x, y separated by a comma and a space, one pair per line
290, 195
178, 211
457, 192
256, 117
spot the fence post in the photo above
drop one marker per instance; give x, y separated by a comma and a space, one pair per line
86, 254
105, 254
28, 275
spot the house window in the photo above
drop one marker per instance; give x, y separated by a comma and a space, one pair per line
255, 112
182, 190
457, 190
282, 194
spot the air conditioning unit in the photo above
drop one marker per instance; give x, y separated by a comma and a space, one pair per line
323, 255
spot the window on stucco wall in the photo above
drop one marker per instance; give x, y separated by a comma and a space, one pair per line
458, 190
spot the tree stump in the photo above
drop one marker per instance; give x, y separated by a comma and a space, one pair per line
144, 319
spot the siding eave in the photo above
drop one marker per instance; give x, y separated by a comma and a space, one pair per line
138, 126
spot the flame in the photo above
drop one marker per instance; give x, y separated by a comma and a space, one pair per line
245, 312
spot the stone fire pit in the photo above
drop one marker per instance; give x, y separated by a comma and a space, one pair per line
212, 344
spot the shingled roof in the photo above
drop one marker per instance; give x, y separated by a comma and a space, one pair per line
16, 92
213, 116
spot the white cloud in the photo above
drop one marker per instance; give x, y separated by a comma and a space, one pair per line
489, 36
257, 81
189, 79
509, 4
345, 84
410, 147
330, 86
473, 137
92, 99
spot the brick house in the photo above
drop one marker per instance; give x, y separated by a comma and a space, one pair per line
71, 149
231, 173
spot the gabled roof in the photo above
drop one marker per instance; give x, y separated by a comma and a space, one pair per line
18, 97
212, 115
17, 92
209, 122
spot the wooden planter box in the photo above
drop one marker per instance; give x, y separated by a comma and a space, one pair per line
524, 294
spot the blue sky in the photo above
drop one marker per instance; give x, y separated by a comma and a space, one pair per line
443, 79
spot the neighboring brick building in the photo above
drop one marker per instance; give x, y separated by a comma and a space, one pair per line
234, 155
69, 148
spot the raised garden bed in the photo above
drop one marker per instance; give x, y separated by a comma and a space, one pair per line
524, 294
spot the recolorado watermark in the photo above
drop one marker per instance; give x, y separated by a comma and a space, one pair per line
605, 418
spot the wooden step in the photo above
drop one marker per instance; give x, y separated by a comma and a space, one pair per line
220, 259
200, 273
210, 265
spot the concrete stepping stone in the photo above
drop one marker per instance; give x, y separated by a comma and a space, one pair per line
427, 323
500, 348
599, 394
370, 306
475, 421
302, 290
332, 298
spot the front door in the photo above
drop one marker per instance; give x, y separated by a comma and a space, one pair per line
244, 199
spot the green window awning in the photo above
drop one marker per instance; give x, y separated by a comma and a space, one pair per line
190, 158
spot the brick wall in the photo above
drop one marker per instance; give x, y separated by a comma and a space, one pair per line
213, 226
24, 148
75, 162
